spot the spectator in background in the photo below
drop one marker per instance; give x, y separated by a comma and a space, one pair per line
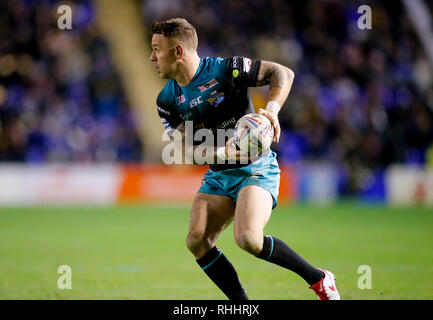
60, 96
363, 99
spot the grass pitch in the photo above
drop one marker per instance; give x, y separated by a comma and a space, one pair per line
139, 252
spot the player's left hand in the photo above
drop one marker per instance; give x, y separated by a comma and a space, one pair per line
273, 117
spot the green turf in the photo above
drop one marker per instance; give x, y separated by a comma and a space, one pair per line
138, 252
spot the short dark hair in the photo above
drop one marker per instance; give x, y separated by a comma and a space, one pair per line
177, 28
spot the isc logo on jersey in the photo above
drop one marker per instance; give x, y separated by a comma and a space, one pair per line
195, 102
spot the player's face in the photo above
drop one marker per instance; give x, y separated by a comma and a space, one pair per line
163, 56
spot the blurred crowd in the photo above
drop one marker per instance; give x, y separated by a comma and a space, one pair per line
362, 99
60, 96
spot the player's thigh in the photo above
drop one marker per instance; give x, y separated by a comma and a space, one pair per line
253, 210
210, 215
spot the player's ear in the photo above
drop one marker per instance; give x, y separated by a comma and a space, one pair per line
179, 51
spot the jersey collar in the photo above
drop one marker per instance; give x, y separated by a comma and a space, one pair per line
200, 67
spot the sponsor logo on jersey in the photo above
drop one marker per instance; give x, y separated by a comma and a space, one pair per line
247, 64
235, 63
180, 99
165, 123
217, 99
163, 110
226, 123
208, 85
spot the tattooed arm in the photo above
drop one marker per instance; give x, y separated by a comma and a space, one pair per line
280, 80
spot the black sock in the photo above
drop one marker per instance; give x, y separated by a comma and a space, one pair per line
276, 251
222, 273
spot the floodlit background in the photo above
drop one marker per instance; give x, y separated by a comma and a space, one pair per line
82, 182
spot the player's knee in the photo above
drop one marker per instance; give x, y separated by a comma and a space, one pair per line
249, 241
197, 242
193, 241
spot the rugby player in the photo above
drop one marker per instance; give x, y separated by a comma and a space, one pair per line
213, 93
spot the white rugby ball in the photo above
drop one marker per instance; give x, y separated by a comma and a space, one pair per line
254, 133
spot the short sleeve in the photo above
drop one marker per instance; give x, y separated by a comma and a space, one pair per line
169, 116
244, 71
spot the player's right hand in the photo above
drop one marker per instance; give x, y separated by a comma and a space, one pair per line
233, 153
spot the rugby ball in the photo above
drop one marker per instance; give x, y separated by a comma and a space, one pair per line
253, 133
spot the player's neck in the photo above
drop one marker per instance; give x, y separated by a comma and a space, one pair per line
187, 70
